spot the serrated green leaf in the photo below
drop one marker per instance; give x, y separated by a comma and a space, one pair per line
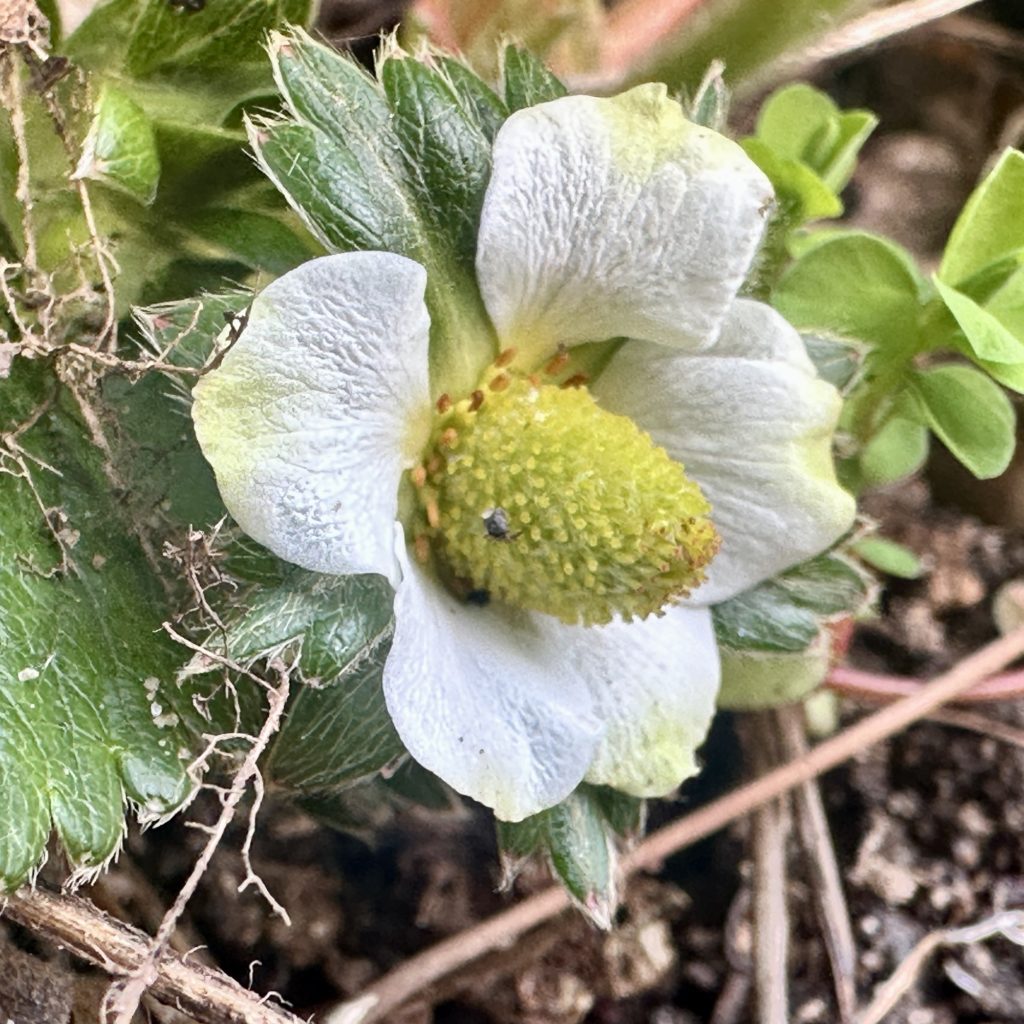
785, 614
889, 557
896, 451
854, 285
78, 735
120, 149
991, 224
527, 81
970, 414
987, 338
337, 729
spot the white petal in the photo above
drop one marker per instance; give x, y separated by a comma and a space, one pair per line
485, 699
314, 413
615, 217
654, 683
753, 425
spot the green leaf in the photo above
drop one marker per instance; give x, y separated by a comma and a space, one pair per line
802, 123
259, 240
86, 673
801, 193
527, 81
970, 414
146, 37
120, 149
400, 166
223, 32
785, 614
854, 285
337, 729
576, 837
991, 225
896, 451
889, 557
987, 337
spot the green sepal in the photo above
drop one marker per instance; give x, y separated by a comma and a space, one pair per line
527, 81
399, 165
577, 839
337, 632
785, 614
755, 680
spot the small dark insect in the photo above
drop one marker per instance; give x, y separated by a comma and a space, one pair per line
480, 597
496, 524
191, 6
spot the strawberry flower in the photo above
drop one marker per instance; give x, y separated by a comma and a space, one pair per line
641, 445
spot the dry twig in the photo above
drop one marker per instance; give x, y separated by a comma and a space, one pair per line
207, 995
826, 881
1008, 924
411, 978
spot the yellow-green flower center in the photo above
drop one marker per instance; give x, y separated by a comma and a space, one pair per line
533, 494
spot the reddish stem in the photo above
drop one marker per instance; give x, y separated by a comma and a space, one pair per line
876, 688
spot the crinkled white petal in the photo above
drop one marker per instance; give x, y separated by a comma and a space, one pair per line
486, 699
653, 683
615, 217
753, 425
314, 413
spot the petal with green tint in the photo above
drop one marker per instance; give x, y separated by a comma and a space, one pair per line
753, 425
487, 698
615, 217
653, 682
315, 412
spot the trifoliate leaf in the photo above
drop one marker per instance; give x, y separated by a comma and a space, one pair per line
970, 414
802, 123
120, 149
86, 673
857, 286
991, 224
527, 81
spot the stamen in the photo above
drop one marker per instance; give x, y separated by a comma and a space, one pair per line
444, 403
500, 383
418, 475
556, 363
505, 357
577, 380
476, 400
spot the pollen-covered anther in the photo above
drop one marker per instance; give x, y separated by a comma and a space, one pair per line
550, 503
